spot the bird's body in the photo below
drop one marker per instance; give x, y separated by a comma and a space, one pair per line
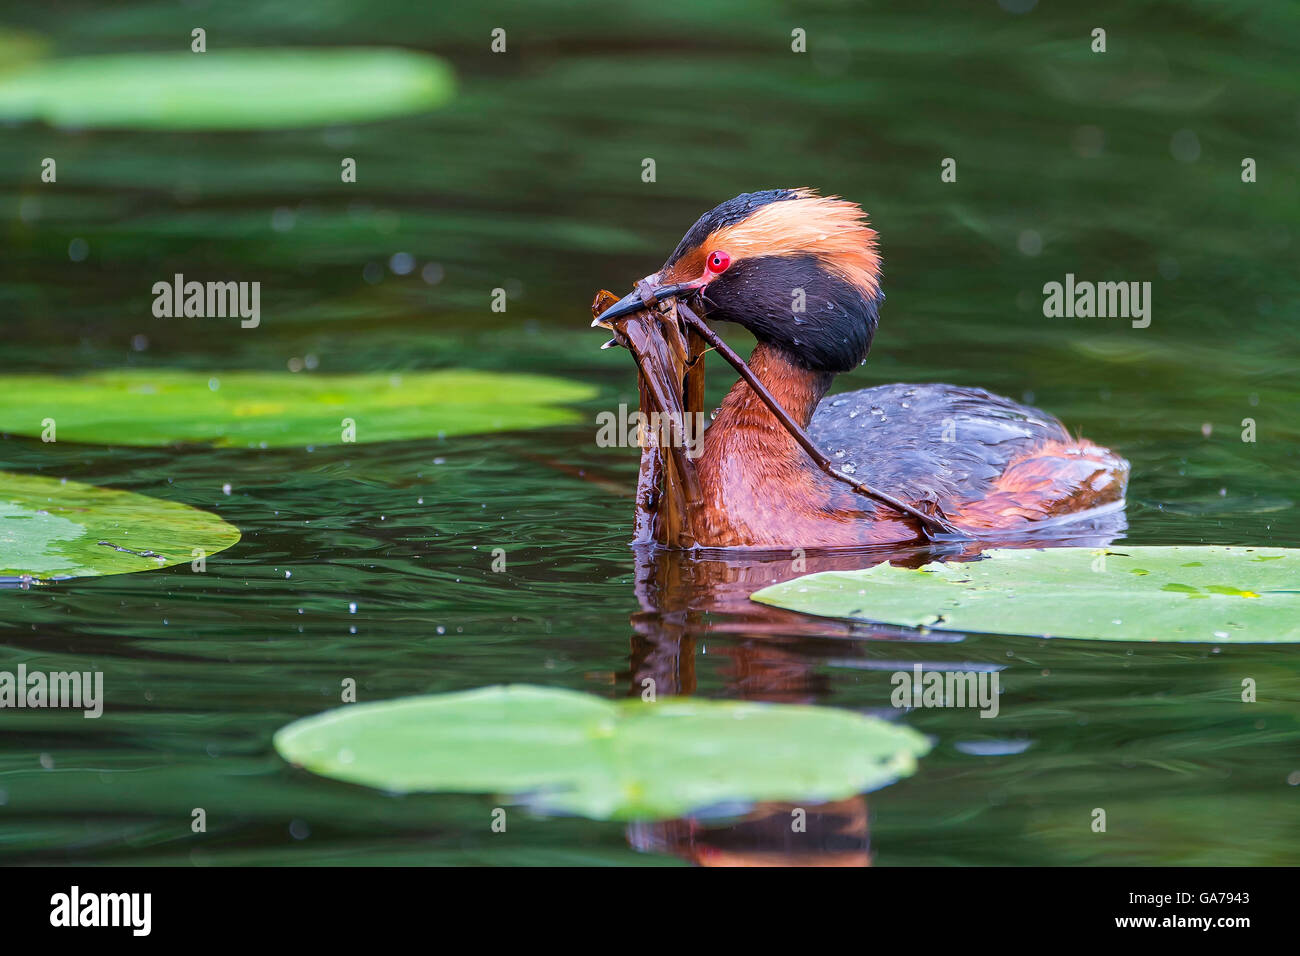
986, 462
801, 272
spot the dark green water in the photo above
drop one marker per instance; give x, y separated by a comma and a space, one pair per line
531, 180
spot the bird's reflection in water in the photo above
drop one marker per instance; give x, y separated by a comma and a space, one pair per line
772, 655
771, 834
685, 599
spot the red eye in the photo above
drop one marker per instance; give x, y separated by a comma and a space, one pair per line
717, 262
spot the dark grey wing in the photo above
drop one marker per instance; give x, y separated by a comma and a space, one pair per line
929, 442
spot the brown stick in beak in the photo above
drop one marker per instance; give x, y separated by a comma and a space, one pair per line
671, 385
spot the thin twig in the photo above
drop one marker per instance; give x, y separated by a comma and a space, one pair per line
931, 524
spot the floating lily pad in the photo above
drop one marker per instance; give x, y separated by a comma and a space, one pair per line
225, 89
568, 752
1215, 595
50, 528
251, 409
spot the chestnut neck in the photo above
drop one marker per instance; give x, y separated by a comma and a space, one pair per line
796, 388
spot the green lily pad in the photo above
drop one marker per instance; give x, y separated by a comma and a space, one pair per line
252, 409
225, 89
1212, 595
53, 528
569, 752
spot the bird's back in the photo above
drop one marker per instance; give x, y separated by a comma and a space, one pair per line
986, 460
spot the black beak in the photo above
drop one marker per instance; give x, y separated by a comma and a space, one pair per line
632, 302
625, 306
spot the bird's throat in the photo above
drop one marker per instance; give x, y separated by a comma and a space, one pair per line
797, 389
758, 486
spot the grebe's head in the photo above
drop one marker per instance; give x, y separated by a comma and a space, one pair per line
799, 270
